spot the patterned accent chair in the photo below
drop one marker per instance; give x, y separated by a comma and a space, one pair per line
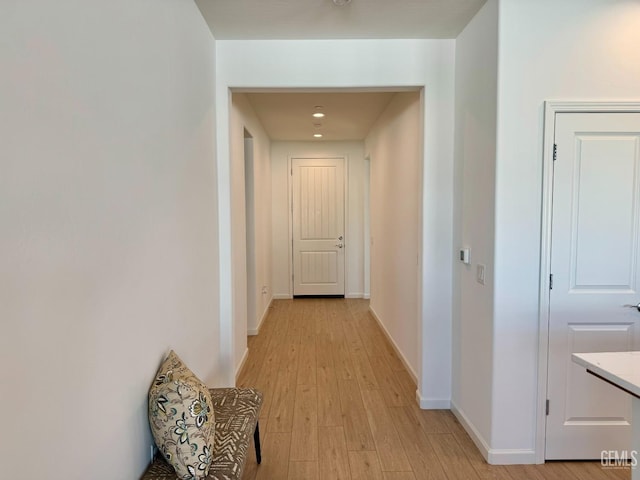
236, 418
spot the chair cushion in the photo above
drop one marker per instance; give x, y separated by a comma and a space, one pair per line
237, 411
182, 419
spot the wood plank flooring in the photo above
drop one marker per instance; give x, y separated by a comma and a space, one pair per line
339, 405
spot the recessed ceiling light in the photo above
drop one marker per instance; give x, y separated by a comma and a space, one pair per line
341, 3
318, 115
317, 135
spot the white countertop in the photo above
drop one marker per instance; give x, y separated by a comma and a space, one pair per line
620, 368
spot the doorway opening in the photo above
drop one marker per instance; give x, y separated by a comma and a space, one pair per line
382, 202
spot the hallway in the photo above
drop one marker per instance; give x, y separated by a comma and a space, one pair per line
339, 404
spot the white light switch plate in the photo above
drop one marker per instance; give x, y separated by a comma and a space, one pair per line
480, 274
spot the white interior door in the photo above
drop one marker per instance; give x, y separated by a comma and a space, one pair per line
318, 226
594, 263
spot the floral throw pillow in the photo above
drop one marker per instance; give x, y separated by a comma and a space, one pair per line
182, 419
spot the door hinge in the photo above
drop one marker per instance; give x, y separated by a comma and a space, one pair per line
547, 407
555, 152
551, 282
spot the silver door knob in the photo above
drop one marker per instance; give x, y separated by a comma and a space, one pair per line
633, 306
339, 245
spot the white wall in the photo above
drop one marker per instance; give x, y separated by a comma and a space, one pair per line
366, 192
475, 158
353, 153
108, 226
549, 50
361, 64
394, 146
243, 117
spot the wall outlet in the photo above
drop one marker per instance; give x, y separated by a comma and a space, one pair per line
480, 274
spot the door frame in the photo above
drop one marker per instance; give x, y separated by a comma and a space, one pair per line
551, 108
345, 167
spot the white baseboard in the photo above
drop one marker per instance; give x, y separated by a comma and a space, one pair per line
504, 456
256, 331
243, 360
427, 403
494, 456
282, 296
395, 347
478, 439
366, 296
354, 295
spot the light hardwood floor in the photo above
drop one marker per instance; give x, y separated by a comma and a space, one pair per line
339, 405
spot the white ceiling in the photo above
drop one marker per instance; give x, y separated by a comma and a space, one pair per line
348, 115
321, 19
287, 116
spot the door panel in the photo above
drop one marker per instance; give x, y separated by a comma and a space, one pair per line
605, 170
594, 262
603, 405
319, 267
318, 226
